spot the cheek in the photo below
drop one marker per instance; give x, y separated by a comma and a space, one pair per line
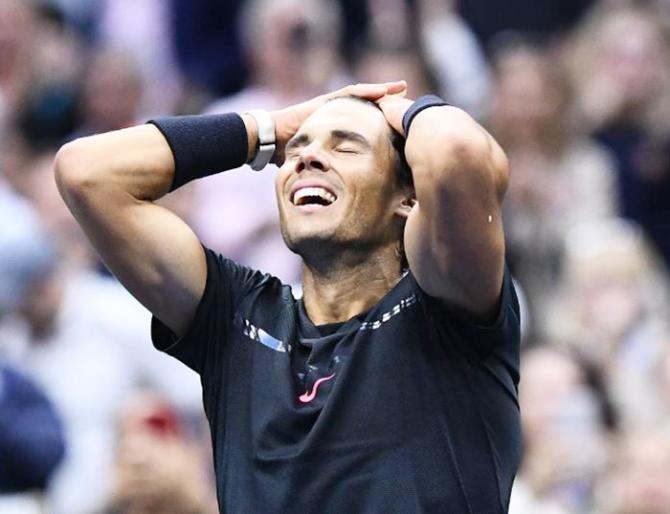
373, 197
280, 182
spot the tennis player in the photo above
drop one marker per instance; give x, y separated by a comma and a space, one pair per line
391, 385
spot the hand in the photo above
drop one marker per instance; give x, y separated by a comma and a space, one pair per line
288, 120
394, 107
149, 472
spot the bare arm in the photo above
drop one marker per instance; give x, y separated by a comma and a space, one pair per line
109, 182
454, 235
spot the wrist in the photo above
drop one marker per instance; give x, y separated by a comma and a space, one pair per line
283, 133
421, 104
266, 139
202, 145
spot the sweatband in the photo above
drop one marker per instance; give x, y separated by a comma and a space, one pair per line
204, 144
419, 105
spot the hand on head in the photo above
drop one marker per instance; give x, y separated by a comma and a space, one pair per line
394, 107
288, 120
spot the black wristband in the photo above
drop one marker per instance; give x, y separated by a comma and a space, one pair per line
203, 145
419, 105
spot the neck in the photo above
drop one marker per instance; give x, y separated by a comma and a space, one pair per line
347, 285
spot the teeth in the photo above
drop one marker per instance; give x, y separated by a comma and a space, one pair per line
313, 191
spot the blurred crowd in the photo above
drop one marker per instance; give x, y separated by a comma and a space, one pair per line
93, 420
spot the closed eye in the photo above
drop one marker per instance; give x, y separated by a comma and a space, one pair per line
294, 145
346, 149
291, 153
346, 141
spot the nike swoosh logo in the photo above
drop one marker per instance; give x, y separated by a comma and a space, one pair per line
308, 397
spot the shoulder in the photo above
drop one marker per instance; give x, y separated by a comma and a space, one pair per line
243, 289
457, 327
235, 297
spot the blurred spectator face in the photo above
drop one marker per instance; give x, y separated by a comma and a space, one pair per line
609, 296
386, 66
41, 297
41, 304
527, 96
609, 269
549, 380
292, 42
112, 92
26, 254
146, 416
639, 484
632, 56
157, 471
16, 32
564, 440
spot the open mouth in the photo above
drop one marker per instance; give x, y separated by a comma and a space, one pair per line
312, 196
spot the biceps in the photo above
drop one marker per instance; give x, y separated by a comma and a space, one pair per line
457, 254
153, 253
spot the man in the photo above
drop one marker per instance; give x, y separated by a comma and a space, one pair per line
291, 52
378, 391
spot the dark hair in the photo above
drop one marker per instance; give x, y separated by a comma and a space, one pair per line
403, 171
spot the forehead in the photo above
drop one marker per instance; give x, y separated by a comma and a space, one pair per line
347, 114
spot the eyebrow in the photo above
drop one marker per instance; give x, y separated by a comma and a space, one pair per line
297, 141
348, 135
338, 134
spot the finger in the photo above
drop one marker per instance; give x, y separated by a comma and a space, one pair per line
391, 100
385, 104
369, 91
376, 89
394, 107
389, 88
395, 97
383, 101
397, 86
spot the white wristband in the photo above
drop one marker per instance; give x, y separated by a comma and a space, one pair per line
266, 139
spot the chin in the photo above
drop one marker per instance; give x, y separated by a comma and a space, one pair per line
313, 240
308, 241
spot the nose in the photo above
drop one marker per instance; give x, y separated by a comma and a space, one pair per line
312, 158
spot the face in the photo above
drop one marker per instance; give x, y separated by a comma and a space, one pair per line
549, 378
526, 96
641, 480
633, 63
561, 421
112, 92
293, 44
337, 188
16, 25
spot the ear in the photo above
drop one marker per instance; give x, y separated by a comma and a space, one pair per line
406, 203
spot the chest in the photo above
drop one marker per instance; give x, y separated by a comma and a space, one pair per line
376, 380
